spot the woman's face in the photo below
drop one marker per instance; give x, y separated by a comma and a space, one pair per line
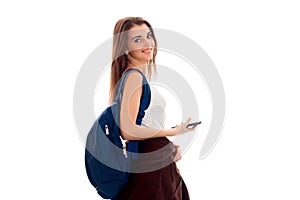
140, 43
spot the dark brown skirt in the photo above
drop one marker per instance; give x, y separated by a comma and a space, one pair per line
162, 184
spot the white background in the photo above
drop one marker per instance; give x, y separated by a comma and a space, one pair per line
255, 46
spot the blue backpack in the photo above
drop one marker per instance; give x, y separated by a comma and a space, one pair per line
106, 161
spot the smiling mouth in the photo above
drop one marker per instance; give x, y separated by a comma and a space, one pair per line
147, 51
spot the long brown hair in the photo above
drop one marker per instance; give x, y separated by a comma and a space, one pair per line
119, 58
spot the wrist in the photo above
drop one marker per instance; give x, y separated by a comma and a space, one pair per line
167, 132
172, 132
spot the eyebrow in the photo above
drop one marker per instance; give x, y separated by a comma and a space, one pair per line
138, 36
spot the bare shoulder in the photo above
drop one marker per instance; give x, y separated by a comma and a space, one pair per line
134, 78
133, 86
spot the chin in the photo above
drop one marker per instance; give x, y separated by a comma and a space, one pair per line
148, 57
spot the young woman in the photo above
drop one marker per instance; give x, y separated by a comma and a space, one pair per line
142, 111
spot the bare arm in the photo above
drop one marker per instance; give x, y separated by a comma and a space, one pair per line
132, 93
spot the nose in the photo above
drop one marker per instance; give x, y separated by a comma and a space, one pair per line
147, 43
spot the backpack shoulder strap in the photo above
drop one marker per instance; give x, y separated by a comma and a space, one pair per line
122, 82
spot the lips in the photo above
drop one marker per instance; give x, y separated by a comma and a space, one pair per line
147, 51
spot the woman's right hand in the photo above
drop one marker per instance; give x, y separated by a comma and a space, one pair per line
180, 129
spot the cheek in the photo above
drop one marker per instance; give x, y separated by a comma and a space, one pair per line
135, 53
152, 43
135, 46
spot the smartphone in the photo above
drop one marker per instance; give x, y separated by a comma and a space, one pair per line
191, 125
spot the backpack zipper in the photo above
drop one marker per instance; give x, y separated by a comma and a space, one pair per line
106, 130
124, 142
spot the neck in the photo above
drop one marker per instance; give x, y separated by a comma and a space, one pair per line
140, 66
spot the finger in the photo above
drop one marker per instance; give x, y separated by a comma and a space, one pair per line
179, 151
193, 127
177, 154
176, 160
177, 157
188, 120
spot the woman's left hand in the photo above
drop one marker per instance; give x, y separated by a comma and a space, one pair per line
177, 156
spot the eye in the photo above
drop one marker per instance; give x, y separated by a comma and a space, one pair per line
137, 40
149, 36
